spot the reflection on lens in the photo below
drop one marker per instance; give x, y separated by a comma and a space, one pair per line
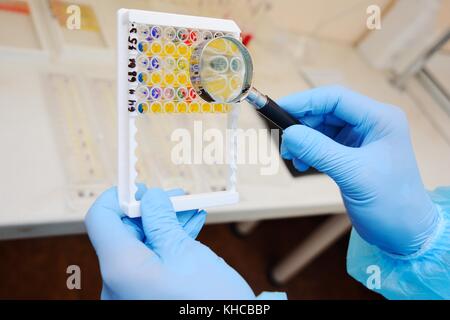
223, 72
236, 64
217, 84
235, 83
219, 64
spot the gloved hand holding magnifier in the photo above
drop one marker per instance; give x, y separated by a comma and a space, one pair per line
221, 70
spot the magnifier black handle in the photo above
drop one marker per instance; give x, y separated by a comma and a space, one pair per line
273, 112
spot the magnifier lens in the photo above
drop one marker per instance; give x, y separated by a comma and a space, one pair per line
223, 70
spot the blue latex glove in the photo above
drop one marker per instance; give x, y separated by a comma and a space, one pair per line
424, 274
364, 146
155, 256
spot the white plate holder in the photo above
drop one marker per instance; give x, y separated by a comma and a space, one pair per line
127, 129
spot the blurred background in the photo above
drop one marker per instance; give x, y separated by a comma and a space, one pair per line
58, 133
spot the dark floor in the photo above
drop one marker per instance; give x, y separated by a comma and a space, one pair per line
36, 268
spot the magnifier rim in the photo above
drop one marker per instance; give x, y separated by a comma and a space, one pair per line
247, 63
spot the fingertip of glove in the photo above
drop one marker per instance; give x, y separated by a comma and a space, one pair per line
141, 189
175, 192
107, 195
197, 224
292, 133
291, 129
105, 205
155, 197
107, 199
202, 213
285, 154
300, 165
283, 101
201, 217
154, 192
288, 101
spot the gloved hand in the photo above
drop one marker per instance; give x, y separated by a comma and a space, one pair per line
155, 256
364, 146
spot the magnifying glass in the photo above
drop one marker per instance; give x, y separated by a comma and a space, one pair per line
221, 71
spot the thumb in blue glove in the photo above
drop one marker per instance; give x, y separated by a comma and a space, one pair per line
155, 257
364, 146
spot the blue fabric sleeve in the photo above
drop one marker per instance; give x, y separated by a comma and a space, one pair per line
422, 275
